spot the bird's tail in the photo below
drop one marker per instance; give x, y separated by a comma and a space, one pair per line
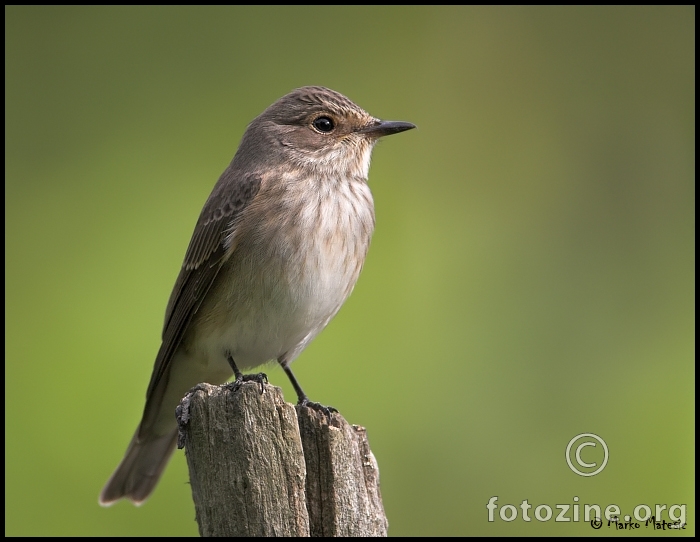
140, 470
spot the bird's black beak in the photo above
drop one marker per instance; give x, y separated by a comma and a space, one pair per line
386, 127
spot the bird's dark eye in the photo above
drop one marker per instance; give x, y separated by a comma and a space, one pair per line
324, 124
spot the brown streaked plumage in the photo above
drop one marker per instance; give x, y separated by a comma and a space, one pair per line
276, 251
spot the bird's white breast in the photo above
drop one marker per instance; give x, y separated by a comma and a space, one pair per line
290, 269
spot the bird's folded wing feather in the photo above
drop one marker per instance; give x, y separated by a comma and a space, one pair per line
232, 193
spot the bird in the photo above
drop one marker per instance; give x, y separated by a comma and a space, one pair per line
276, 251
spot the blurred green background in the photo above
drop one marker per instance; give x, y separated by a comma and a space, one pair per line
531, 276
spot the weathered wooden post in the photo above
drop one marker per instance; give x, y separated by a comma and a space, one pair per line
262, 467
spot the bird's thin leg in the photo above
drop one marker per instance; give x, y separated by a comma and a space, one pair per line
297, 388
303, 399
260, 378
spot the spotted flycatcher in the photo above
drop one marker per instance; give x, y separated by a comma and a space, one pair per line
275, 253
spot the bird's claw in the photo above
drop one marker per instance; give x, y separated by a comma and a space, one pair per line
318, 407
260, 378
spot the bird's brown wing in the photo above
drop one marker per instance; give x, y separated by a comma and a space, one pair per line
232, 193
